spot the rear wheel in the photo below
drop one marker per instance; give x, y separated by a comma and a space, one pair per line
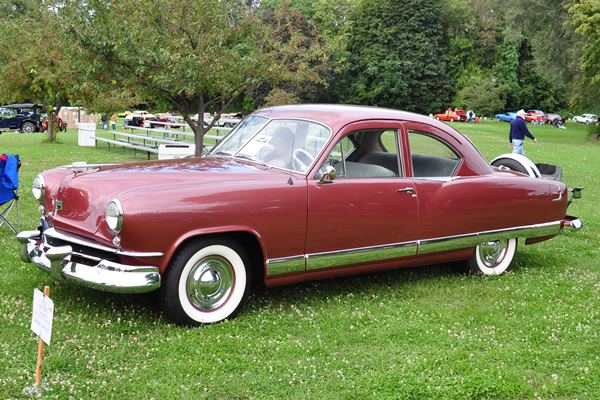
493, 257
206, 282
28, 127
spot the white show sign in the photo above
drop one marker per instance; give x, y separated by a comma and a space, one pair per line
43, 312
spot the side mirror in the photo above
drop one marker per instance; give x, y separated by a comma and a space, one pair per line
329, 175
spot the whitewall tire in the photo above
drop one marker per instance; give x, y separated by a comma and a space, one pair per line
493, 257
206, 282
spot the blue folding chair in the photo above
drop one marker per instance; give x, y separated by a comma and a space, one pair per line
9, 184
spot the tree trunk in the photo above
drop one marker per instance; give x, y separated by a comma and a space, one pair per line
199, 131
51, 126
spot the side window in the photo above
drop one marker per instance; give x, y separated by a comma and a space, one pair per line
339, 154
366, 154
431, 157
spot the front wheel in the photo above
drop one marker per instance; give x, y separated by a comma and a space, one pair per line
206, 282
493, 257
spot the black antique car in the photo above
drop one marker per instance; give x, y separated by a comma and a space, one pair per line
23, 117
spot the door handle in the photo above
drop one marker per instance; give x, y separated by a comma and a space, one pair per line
408, 190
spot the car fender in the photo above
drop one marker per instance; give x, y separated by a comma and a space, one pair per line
217, 230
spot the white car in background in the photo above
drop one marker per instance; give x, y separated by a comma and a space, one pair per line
586, 118
208, 118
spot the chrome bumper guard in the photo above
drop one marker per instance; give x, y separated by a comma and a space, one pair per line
106, 275
572, 223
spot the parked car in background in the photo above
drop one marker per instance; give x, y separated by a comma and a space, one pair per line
22, 117
506, 117
164, 120
207, 118
555, 120
536, 116
137, 118
229, 120
61, 125
586, 118
452, 116
294, 193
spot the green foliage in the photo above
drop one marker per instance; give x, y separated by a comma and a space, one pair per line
533, 90
195, 55
38, 65
482, 94
585, 19
307, 77
396, 56
594, 131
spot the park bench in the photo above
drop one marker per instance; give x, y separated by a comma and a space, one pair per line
146, 140
146, 143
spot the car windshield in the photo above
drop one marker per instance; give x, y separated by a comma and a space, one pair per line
282, 143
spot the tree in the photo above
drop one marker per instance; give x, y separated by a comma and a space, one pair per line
552, 38
397, 56
482, 94
25, 73
307, 78
39, 65
196, 55
585, 20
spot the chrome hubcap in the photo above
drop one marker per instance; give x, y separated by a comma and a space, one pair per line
492, 253
210, 282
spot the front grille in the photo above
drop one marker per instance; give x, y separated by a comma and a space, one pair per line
83, 254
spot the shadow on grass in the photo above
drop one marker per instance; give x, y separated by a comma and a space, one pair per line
147, 306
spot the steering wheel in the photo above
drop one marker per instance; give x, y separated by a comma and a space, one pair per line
299, 163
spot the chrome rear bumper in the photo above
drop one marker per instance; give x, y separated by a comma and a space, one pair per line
106, 275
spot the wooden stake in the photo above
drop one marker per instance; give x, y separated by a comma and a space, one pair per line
40, 356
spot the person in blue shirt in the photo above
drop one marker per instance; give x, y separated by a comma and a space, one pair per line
518, 131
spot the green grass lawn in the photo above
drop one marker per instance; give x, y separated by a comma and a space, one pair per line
426, 333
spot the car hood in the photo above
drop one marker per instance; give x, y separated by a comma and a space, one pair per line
84, 193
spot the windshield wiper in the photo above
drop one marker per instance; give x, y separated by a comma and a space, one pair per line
249, 158
222, 153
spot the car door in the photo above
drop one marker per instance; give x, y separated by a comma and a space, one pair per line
434, 164
369, 212
7, 121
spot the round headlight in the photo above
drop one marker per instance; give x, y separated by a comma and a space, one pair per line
38, 188
114, 215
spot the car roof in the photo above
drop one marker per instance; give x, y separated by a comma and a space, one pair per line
338, 115
23, 105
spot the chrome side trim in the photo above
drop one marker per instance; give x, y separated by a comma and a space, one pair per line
447, 243
345, 257
53, 233
361, 255
286, 265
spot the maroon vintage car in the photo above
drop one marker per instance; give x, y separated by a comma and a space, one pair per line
294, 193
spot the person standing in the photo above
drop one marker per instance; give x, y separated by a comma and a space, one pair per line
518, 131
113, 121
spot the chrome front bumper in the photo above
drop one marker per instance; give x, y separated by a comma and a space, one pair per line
106, 275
